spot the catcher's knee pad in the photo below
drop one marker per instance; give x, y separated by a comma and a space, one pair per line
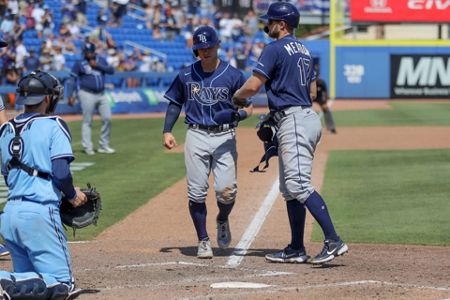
28, 289
227, 195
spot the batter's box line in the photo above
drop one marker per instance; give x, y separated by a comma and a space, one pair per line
258, 272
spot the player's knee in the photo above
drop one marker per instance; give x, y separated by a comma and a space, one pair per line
197, 195
227, 195
299, 191
28, 289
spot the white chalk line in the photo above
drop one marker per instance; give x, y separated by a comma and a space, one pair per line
249, 235
274, 288
257, 272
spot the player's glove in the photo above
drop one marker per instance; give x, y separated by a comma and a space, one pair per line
267, 130
83, 215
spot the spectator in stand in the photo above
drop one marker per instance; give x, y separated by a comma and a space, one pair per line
38, 14
257, 48
119, 9
170, 24
47, 23
31, 62
81, 6
12, 74
102, 17
68, 12
68, 47
30, 22
225, 27
18, 28
241, 58
7, 24
101, 36
13, 7
21, 53
113, 58
146, 62
58, 61
45, 60
236, 28
3, 7
156, 33
251, 23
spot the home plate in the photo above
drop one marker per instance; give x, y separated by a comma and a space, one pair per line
239, 285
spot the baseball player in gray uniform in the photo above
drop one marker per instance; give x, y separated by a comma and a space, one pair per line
286, 68
205, 89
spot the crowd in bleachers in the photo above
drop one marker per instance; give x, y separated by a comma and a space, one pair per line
139, 35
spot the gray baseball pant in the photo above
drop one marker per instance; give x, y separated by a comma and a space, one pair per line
90, 102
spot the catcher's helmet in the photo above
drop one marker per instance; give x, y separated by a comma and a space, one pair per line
283, 11
204, 37
33, 88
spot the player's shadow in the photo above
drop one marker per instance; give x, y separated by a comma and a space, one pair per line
218, 252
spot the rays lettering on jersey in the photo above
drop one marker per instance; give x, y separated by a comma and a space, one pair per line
295, 47
207, 95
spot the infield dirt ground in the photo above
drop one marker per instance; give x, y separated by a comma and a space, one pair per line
151, 253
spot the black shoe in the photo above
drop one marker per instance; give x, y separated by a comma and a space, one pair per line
333, 131
330, 250
288, 255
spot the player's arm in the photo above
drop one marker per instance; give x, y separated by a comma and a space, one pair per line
172, 114
313, 90
250, 88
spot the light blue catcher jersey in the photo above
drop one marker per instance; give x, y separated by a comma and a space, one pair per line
44, 138
289, 69
205, 94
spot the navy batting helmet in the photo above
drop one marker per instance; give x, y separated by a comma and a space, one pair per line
33, 88
204, 37
283, 11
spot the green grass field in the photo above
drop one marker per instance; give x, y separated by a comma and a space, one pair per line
392, 197
403, 113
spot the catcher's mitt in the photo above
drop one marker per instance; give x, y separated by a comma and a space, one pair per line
83, 215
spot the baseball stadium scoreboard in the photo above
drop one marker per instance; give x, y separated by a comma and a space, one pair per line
389, 68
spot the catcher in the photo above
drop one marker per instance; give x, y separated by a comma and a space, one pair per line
36, 153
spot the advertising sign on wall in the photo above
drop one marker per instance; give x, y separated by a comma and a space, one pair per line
432, 11
420, 76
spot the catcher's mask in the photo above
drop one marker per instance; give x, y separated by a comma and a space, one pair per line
34, 87
204, 37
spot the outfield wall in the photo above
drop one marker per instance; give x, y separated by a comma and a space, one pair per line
362, 72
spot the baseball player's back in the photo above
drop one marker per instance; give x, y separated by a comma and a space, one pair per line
287, 70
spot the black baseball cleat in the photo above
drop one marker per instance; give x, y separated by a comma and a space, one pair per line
330, 250
288, 255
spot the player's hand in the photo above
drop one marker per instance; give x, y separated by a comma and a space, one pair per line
241, 103
79, 199
71, 101
169, 140
93, 62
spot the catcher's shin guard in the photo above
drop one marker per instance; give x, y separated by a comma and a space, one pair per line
28, 289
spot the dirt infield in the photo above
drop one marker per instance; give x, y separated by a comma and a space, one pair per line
151, 253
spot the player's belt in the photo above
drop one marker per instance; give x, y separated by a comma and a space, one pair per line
280, 114
212, 128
